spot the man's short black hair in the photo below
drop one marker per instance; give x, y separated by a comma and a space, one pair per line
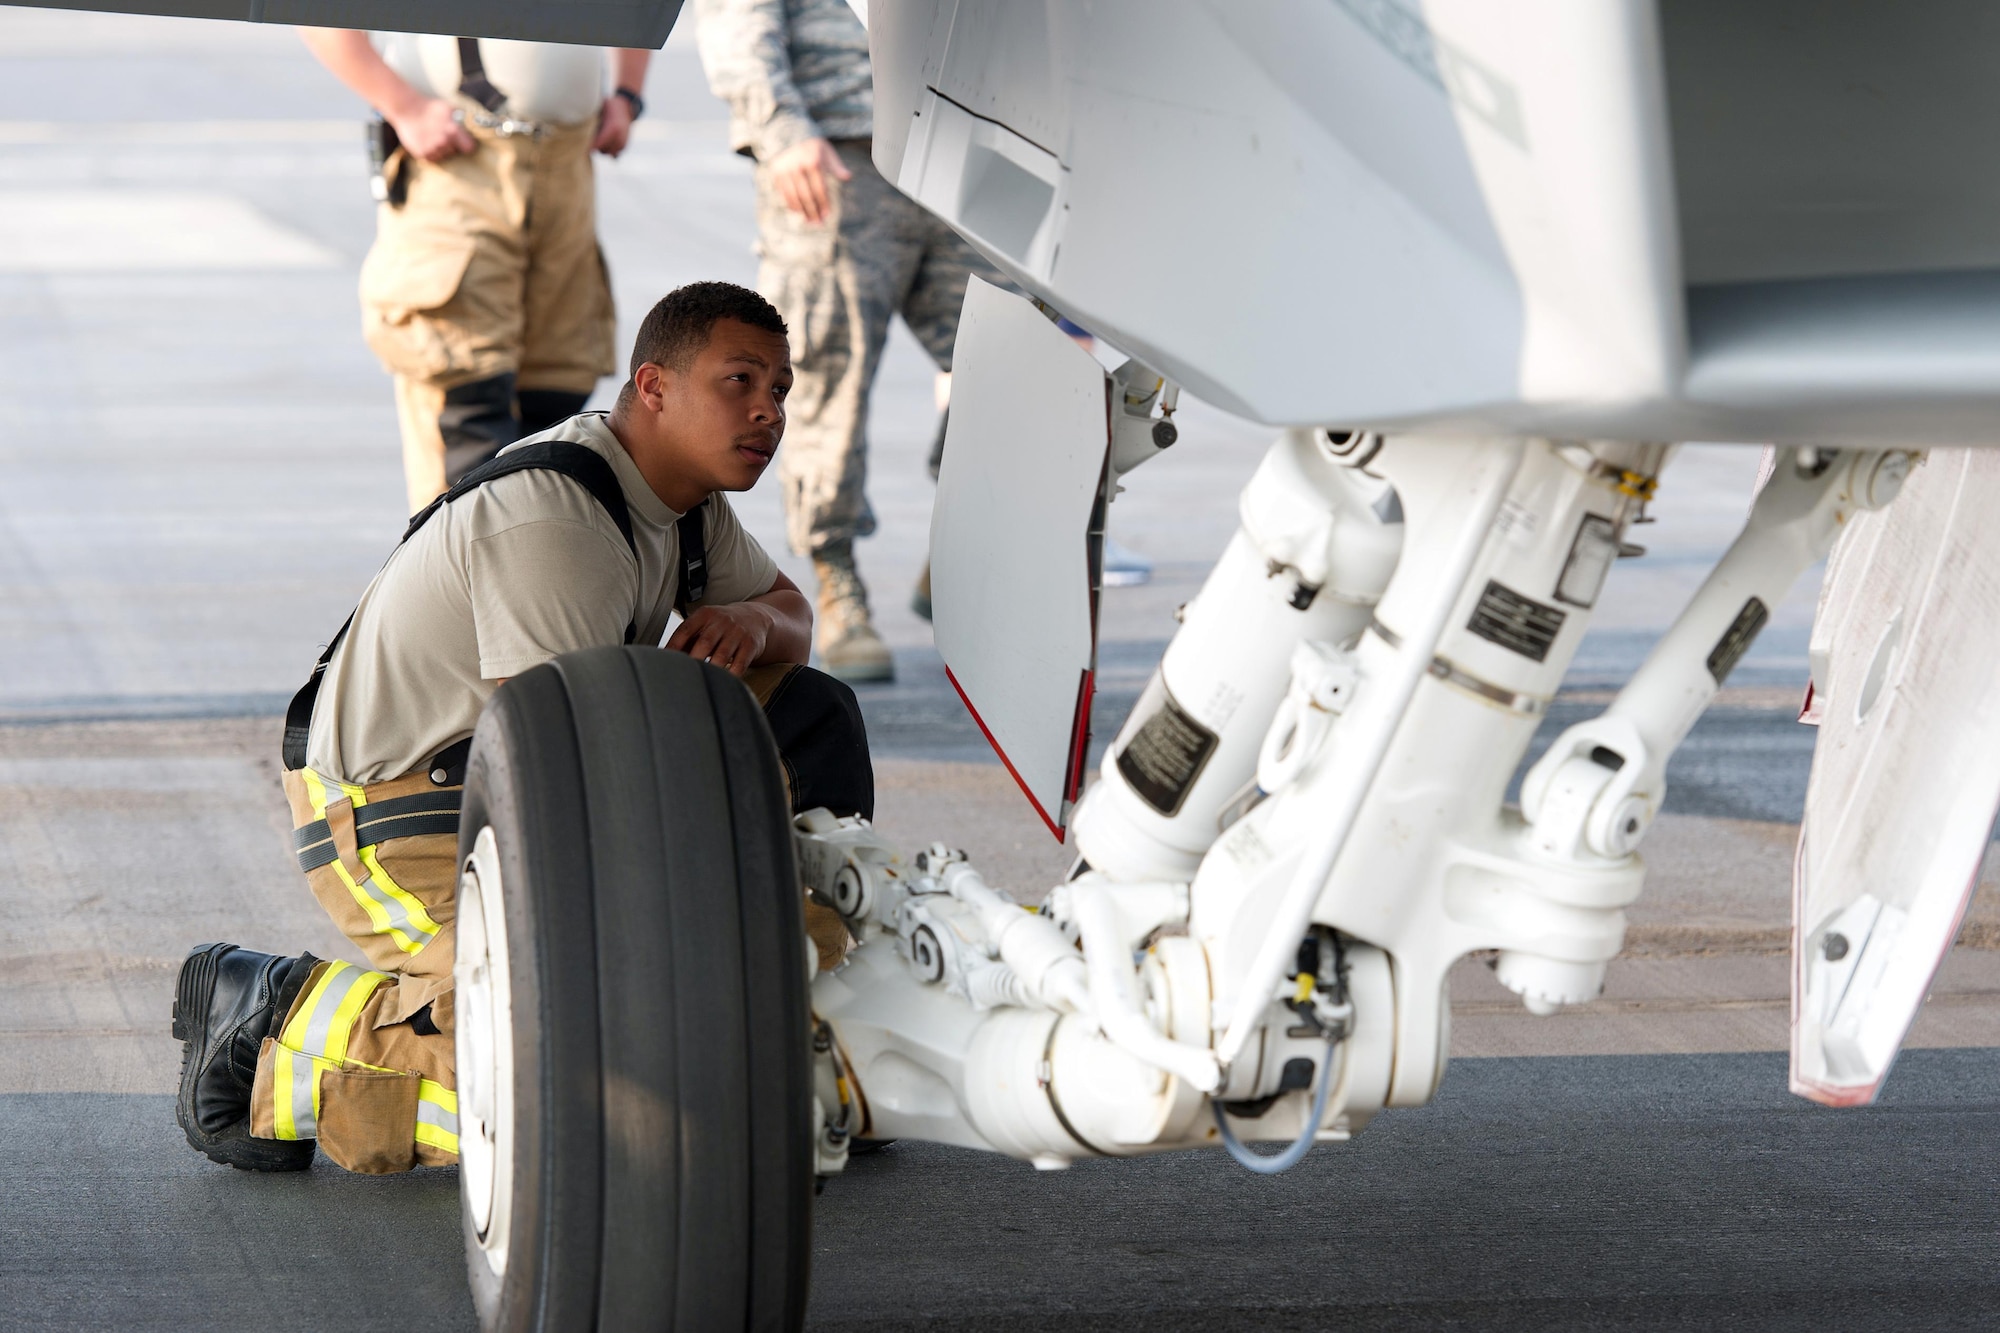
675, 330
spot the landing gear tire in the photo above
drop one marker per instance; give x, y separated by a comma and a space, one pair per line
635, 1094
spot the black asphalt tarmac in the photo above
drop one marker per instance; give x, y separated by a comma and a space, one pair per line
1664, 1192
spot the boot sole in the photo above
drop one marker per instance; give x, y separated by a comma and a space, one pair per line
192, 993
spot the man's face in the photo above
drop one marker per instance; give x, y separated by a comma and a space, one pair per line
722, 418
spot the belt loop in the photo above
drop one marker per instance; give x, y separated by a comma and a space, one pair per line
346, 845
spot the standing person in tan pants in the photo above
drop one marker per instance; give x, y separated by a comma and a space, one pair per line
485, 294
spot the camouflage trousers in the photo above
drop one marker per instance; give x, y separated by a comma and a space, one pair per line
837, 285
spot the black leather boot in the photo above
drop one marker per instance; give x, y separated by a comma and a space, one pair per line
227, 1002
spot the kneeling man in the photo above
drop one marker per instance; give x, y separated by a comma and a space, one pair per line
589, 534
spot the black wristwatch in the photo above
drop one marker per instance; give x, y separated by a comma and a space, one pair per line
633, 100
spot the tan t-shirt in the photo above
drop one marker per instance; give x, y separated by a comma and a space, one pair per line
544, 81
523, 569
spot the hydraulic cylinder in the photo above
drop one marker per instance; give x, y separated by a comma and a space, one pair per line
1319, 540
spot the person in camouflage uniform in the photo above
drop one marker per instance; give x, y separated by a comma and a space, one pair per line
843, 251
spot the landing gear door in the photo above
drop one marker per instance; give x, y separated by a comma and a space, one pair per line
1906, 773
1016, 540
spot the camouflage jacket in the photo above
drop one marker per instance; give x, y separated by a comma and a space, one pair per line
789, 69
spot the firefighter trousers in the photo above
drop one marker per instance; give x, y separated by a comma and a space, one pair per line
486, 296
364, 1059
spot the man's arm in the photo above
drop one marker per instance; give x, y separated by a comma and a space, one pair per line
774, 627
426, 126
614, 124
746, 50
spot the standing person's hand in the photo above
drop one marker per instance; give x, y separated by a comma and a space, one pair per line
614, 127
430, 129
799, 174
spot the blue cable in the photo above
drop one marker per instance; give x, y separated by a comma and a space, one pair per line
1292, 1156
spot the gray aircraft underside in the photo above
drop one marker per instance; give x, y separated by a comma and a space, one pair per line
1696, 219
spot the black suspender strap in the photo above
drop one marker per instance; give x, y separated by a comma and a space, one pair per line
472, 81
692, 585
584, 466
299, 713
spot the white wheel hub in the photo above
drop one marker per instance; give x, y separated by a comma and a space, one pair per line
485, 1017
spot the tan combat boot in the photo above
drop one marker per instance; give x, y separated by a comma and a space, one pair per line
849, 647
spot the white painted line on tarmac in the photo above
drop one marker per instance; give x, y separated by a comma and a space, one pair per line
15, 133
84, 230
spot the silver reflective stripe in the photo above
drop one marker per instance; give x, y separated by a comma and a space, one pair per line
430, 1113
305, 1074
319, 1027
399, 919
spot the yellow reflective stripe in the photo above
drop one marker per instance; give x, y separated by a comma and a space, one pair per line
320, 1026
430, 1135
392, 910
342, 1026
295, 1093
294, 1034
320, 791
412, 927
437, 1116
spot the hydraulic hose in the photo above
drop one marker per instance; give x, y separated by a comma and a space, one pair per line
1113, 1005
1299, 1147
1045, 966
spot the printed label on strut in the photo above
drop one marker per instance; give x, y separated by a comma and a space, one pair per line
1516, 623
1736, 640
1166, 755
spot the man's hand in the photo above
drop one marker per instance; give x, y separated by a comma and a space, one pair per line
732, 636
427, 126
799, 175
430, 129
614, 127
614, 123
